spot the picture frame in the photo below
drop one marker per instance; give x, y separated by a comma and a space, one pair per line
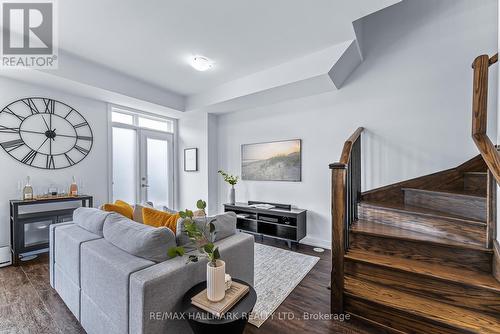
191, 159
279, 160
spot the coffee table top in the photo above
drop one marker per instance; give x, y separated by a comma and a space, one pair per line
239, 311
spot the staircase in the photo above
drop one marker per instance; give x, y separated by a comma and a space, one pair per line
419, 263
420, 256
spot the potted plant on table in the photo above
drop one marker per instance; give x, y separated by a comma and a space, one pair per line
232, 180
203, 239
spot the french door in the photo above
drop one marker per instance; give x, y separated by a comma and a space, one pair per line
143, 165
156, 167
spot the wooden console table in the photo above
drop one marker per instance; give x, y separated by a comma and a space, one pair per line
29, 231
281, 222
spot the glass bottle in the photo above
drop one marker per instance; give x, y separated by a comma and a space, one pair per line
73, 188
28, 190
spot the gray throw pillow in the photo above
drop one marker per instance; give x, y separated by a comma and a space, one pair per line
167, 210
150, 243
138, 212
90, 219
225, 226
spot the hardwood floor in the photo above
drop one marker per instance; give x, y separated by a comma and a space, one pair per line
29, 305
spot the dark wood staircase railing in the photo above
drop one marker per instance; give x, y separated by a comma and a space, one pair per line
485, 146
346, 193
480, 114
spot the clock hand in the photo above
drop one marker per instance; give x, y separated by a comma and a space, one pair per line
43, 133
48, 128
39, 147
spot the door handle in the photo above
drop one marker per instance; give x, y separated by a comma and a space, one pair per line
145, 185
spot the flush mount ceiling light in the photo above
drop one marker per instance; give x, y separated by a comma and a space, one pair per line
201, 63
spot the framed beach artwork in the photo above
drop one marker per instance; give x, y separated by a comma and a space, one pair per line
272, 161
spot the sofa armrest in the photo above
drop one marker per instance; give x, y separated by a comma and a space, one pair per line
52, 233
157, 291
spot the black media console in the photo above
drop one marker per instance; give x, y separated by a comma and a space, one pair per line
281, 222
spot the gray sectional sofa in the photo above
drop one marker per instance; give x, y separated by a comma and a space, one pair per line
116, 278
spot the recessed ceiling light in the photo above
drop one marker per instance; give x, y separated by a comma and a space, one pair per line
201, 63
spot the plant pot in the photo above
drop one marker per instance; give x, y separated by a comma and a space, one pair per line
232, 196
216, 281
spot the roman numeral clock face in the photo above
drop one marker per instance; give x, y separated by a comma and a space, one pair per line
44, 133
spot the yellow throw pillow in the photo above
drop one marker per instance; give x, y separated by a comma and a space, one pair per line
126, 206
158, 218
124, 211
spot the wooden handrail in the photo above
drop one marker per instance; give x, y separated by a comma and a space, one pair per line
347, 149
480, 114
346, 190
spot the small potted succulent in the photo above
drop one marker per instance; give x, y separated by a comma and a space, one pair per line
202, 239
232, 180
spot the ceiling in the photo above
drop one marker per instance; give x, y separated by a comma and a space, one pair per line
152, 40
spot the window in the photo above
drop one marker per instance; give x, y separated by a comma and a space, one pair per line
142, 158
118, 117
142, 121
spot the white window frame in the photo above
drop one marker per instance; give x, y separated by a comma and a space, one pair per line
136, 114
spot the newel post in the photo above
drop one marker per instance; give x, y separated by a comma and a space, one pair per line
338, 210
480, 95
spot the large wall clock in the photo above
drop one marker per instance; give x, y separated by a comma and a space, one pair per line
44, 133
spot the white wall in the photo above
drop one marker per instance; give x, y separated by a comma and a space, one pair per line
412, 93
92, 170
193, 132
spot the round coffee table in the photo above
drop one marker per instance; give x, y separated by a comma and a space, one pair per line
232, 322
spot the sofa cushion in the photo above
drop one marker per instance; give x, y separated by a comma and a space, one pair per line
105, 278
137, 239
90, 219
68, 290
225, 226
68, 240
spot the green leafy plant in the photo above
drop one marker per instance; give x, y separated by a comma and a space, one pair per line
231, 179
202, 239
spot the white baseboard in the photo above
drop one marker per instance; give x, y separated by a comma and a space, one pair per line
5, 256
316, 242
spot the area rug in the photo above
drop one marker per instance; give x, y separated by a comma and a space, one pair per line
277, 273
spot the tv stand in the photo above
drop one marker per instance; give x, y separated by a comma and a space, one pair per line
281, 222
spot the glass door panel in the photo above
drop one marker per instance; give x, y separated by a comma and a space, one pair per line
124, 164
157, 168
37, 233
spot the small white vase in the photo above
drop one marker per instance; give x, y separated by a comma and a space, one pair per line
232, 196
216, 281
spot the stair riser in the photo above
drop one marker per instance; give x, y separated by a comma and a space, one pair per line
473, 298
452, 229
404, 322
475, 183
465, 206
431, 253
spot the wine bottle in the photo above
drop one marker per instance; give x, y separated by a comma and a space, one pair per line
73, 188
28, 191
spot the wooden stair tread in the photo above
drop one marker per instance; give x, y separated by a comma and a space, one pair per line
383, 230
449, 315
401, 207
442, 272
456, 192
